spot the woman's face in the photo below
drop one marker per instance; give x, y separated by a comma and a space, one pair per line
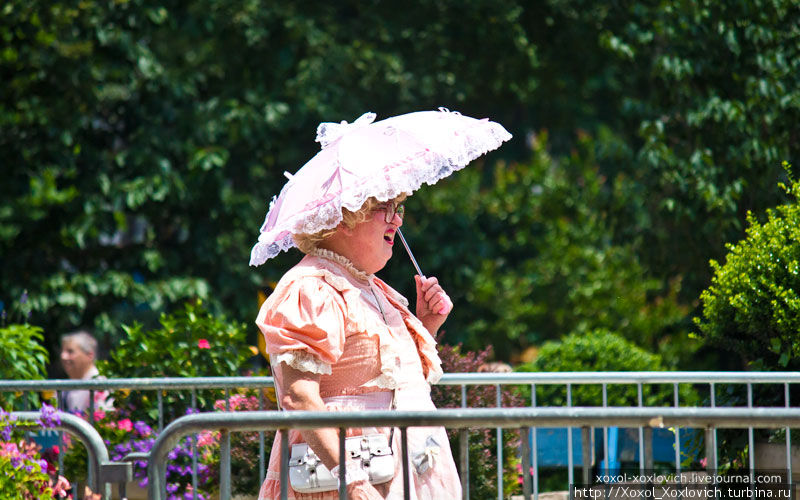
370, 243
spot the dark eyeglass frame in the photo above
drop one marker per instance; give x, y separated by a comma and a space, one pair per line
390, 209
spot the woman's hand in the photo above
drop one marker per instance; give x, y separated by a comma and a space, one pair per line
433, 304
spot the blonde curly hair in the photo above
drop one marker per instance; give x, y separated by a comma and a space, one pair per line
307, 243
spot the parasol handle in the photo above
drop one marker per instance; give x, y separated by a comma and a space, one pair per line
411, 255
447, 307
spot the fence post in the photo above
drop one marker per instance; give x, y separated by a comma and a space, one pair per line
588, 451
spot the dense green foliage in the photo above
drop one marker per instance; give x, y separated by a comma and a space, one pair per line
25, 358
535, 259
140, 142
752, 307
190, 342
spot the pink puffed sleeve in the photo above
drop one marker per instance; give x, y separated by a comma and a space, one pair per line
303, 324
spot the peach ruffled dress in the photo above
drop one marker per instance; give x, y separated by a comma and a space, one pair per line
323, 318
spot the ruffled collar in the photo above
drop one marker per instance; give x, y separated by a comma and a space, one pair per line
344, 262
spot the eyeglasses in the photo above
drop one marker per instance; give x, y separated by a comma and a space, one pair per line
390, 209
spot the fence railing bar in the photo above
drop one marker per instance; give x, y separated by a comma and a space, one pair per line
499, 434
570, 460
619, 378
160, 397
261, 444
91, 406
464, 452
525, 452
640, 404
647, 444
60, 402
515, 378
194, 450
751, 455
788, 436
284, 472
711, 459
586, 453
406, 472
676, 399
342, 459
225, 465
534, 449
605, 431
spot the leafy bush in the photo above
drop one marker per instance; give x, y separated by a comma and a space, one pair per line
190, 342
24, 358
482, 442
600, 350
752, 306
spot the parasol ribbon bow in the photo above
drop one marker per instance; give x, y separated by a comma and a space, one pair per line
330, 132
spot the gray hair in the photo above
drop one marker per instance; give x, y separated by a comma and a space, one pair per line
86, 342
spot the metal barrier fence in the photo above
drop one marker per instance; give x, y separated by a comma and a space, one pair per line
569, 380
102, 471
706, 418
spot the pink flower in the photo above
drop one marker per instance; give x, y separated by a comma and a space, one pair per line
203, 344
125, 424
99, 415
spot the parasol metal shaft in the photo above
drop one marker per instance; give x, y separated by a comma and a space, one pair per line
411, 255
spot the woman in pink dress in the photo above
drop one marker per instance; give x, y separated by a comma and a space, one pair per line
340, 339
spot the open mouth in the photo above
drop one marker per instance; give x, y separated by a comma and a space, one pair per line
388, 237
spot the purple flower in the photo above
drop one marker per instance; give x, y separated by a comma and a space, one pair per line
24, 298
172, 487
49, 417
7, 421
142, 428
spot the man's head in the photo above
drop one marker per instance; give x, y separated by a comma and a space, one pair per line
78, 353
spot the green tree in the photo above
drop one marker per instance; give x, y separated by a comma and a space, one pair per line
705, 96
139, 143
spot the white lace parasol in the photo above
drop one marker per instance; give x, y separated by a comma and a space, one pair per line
383, 159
